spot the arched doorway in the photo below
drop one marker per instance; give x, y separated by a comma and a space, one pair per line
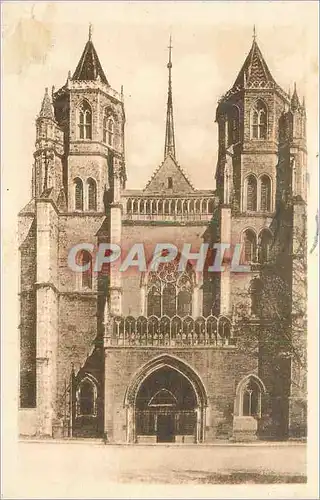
166, 403
166, 407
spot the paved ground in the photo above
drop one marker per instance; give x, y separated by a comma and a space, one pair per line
83, 469
45, 462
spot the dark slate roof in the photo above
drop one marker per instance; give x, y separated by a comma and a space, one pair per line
89, 67
254, 69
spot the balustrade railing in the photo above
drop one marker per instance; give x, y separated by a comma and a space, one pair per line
176, 208
175, 331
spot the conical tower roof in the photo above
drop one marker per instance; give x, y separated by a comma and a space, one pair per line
89, 66
254, 69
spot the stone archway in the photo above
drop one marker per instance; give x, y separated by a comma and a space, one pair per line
166, 402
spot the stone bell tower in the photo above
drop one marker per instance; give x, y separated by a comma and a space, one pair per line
92, 117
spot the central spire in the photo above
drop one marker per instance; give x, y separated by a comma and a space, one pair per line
169, 147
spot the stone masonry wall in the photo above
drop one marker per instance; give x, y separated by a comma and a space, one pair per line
220, 371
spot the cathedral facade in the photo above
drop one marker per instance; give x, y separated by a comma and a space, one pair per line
165, 353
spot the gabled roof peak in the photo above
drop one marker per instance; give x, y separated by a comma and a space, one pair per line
169, 167
89, 66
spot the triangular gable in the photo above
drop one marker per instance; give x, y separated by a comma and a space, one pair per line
159, 182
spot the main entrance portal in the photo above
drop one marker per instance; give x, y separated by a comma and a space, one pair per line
166, 408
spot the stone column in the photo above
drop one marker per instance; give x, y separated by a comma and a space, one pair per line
47, 314
225, 237
198, 425
195, 302
143, 300
115, 237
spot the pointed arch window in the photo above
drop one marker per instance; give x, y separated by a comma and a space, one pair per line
86, 398
250, 246
251, 399
92, 194
169, 300
108, 130
249, 393
251, 193
154, 301
170, 291
265, 240
86, 274
85, 121
265, 194
78, 194
184, 303
259, 121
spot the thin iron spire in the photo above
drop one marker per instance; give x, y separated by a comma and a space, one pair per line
90, 32
254, 36
169, 147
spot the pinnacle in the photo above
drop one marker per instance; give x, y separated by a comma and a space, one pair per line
46, 107
295, 103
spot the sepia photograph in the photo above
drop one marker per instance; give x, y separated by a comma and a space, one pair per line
160, 249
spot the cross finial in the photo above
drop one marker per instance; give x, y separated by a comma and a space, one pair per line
169, 148
254, 36
170, 49
90, 32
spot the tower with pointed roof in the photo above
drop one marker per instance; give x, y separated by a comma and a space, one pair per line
91, 115
261, 178
77, 179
